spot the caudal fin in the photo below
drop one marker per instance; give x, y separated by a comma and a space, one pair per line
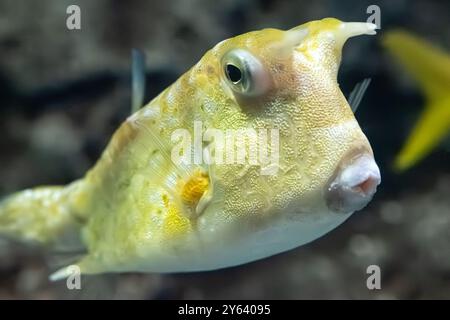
39, 215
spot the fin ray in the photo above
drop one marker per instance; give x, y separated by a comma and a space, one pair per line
355, 97
137, 80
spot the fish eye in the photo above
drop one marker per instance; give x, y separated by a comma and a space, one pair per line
234, 74
244, 73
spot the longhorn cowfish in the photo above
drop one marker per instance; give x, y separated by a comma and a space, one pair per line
429, 66
138, 210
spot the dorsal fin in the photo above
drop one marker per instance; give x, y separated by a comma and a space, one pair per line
355, 97
137, 80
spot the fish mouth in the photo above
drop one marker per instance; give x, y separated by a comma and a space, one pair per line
353, 184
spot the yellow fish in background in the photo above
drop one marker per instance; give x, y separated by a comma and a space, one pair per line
431, 68
136, 210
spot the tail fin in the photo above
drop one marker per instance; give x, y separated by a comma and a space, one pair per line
40, 215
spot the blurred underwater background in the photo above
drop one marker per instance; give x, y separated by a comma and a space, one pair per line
64, 92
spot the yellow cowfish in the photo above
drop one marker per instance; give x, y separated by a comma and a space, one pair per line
430, 67
139, 210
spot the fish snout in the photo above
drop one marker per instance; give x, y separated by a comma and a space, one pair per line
354, 183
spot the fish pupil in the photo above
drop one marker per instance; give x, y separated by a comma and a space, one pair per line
233, 73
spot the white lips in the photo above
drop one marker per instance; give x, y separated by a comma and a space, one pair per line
354, 186
361, 170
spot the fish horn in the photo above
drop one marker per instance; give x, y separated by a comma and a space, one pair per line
353, 29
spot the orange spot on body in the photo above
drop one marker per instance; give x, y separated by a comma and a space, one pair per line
194, 188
